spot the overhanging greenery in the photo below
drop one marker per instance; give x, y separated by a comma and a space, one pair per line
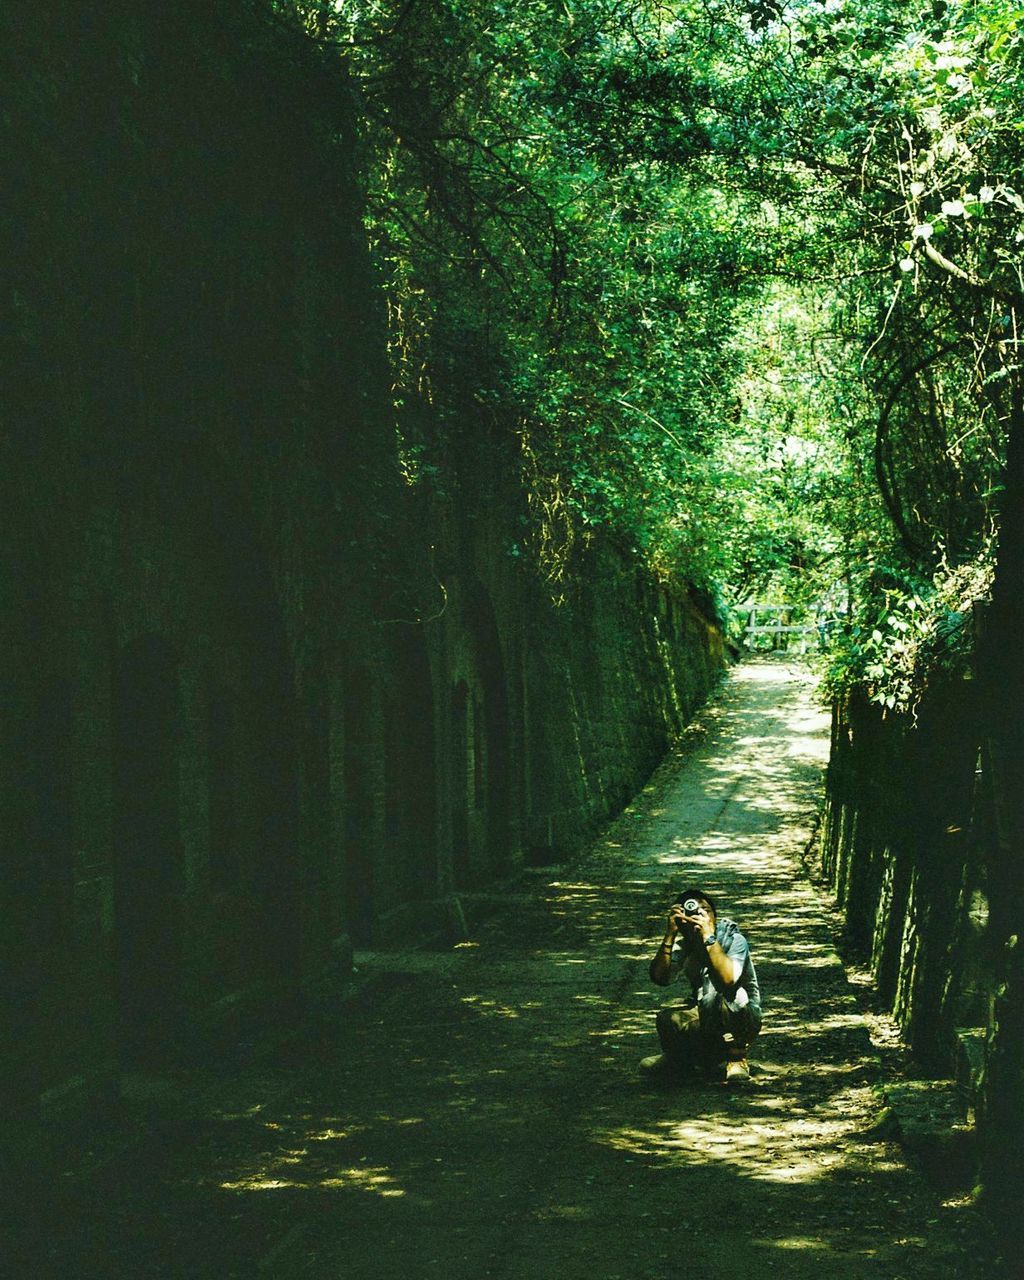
736, 282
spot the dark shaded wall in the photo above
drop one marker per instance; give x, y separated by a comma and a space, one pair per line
899, 848
263, 702
609, 680
1001, 1103
187, 447
921, 843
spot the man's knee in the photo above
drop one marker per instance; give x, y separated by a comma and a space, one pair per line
673, 1020
743, 1024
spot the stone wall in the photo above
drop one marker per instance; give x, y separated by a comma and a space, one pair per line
921, 843
264, 703
1001, 831
899, 846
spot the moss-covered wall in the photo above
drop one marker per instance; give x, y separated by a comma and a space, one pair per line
611, 676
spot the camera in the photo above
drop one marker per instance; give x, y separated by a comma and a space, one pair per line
690, 906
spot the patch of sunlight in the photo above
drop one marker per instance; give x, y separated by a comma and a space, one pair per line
247, 1114
258, 1183
594, 1002
377, 1180
461, 946
836, 1020
493, 1008
328, 1135
638, 1142
698, 1135
823, 1070
963, 1201
770, 955
773, 1071
808, 1170
795, 1242
797, 912
795, 948
791, 1151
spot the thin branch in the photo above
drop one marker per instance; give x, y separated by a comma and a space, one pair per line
650, 418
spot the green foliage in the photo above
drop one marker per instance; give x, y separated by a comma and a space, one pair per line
919, 636
735, 283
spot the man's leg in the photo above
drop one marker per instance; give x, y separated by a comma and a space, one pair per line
740, 1025
679, 1033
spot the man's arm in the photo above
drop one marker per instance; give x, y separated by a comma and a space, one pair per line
660, 968
728, 968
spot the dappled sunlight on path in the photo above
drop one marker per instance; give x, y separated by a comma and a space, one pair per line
478, 1111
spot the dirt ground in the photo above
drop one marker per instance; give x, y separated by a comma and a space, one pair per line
477, 1110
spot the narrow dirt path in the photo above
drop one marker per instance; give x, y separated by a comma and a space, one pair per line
479, 1113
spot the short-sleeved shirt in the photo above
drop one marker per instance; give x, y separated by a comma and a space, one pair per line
706, 983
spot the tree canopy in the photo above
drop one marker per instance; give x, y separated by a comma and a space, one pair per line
735, 282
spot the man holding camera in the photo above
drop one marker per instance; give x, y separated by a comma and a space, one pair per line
724, 1013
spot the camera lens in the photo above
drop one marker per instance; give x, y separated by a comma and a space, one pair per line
690, 906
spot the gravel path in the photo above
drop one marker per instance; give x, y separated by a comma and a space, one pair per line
478, 1112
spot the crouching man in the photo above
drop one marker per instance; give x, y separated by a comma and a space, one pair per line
723, 1016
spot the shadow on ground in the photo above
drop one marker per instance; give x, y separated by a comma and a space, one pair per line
478, 1111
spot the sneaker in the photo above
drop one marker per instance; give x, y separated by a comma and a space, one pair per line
656, 1062
737, 1071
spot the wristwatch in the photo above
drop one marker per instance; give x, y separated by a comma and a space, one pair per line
709, 939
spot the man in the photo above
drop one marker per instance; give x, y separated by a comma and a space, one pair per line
723, 1016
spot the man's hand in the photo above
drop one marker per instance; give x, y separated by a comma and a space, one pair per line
661, 965
698, 922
